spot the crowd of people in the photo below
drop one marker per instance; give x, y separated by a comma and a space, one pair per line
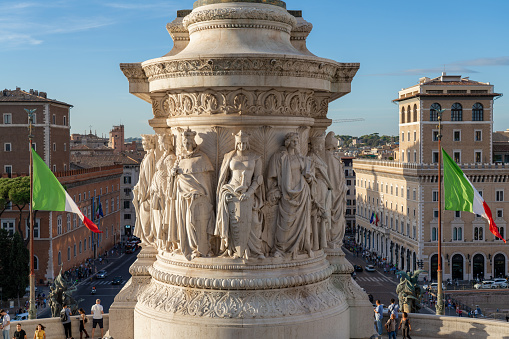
392, 326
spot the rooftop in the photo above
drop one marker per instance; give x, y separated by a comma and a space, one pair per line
19, 95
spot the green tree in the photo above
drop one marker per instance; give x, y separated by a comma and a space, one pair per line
19, 269
19, 195
4, 194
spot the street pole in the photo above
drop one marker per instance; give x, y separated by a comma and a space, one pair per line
440, 294
32, 313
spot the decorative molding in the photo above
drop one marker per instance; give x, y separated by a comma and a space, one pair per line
131, 290
303, 103
241, 304
220, 66
134, 72
240, 283
349, 287
239, 13
238, 25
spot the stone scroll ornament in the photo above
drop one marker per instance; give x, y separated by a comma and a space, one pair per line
159, 194
191, 190
240, 196
339, 188
288, 178
320, 193
141, 200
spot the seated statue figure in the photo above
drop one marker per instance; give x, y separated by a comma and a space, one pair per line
239, 201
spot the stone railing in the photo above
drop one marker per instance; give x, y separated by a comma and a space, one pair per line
432, 326
55, 329
412, 165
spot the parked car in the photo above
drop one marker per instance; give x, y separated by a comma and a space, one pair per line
434, 286
370, 268
21, 317
357, 268
486, 284
101, 274
500, 282
117, 280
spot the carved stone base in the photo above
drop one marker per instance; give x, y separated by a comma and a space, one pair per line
361, 310
225, 298
122, 309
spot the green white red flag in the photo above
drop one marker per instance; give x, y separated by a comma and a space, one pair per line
461, 195
49, 195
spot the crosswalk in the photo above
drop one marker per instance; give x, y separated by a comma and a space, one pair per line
100, 282
374, 279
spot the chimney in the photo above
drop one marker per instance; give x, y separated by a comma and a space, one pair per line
43, 94
36, 92
31, 91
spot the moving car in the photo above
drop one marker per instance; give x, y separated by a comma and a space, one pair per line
434, 286
500, 282
101, 274
370, 268
21, 317
357, 268
117, 280
486, 284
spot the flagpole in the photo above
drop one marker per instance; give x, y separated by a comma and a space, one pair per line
32, 312
439, 309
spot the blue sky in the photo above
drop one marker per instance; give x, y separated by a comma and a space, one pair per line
72, 49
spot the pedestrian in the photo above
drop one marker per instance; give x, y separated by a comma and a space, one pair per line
65, 317
97, 317
39, 332
5, 324
391, 326
379, 313
19, 333
405, 326
393, 308
83, 321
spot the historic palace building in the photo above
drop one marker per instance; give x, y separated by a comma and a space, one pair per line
404, 193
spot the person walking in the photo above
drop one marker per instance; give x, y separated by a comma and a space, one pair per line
39, 332
97, 317
391, 326
19, 333
379, 311
65, 316
5, 324
393, 308
83, 321
405, 326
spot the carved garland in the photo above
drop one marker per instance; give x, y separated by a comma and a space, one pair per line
242, 304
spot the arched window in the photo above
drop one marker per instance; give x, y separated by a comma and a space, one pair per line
477, 112
403, 115
36, 263
415, 113
68, 253
68, 222
478, 266
408, 114
457, 267
59, 258
434, 236
433, 111
499, 265
456, 112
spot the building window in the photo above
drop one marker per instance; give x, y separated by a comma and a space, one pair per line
415, 113
396, 190
477, 135
415, 136
478, 156
435, 214
403, 115
85, 244
456, 135
7, 147
499, 195
127, 179
8, 225
415, 156
36, 263
402, 136
80, 246
118, 204
68, 253
127, 216
68, 222
456, 156
59, 258
402, 156
59, 225
457, 234
434, 196
500, 213
433, 111
65, 120
79, 197
456, 112
74, 221
74, 248
54, 119
477, 112
8, 170
106, 205
54, 168
435, 157
434, 135
408, 136
54, 147
34, 146
434, 234
37, 222
7, 118
501, 231
478, 233
65, 146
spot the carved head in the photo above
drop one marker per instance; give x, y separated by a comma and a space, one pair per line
318, 143
292, 141
188, 142
148, 142
164, 141
331, 142
242, 141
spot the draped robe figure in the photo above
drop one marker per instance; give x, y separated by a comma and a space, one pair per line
240, 193
159, 192
336, 173
192, 190
141, 192
287, 183
321, 195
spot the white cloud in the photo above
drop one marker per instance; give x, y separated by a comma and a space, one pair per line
17, 40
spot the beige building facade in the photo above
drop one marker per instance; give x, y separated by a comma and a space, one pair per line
404, 193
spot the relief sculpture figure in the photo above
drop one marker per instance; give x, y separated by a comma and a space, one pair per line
320, 193
339, 189
158, 190
288, 184
141, 191
240, 198
193, 197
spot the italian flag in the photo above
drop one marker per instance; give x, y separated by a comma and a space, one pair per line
460, 194
49, 195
